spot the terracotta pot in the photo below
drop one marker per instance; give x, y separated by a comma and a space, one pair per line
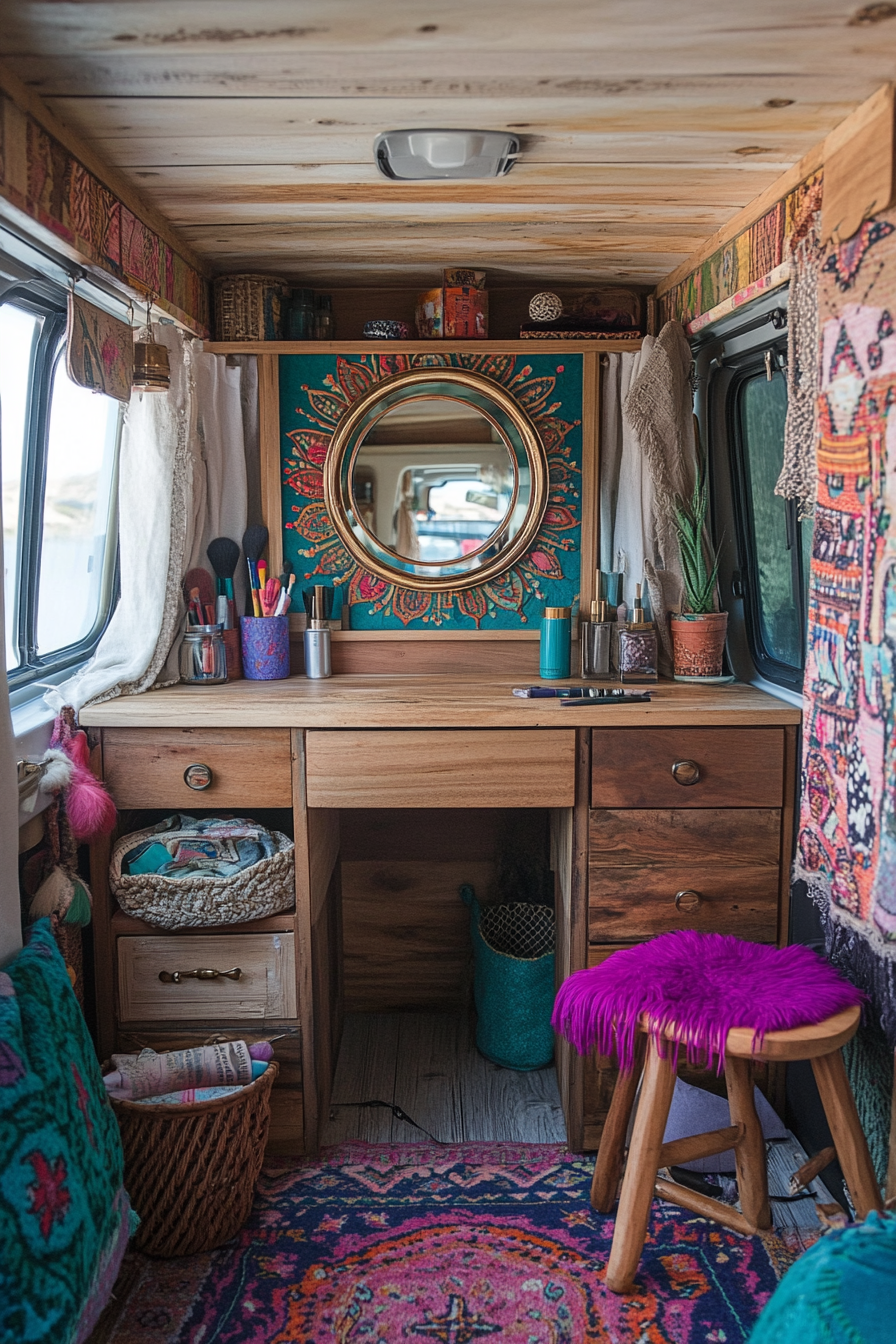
698, 643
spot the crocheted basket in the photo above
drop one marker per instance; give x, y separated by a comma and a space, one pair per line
513, 950
191, 1170
265, 888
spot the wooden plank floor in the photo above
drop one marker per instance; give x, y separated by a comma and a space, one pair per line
428, 1064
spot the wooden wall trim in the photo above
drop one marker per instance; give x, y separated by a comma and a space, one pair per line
28, 101
590, 502
269, 452
497, 347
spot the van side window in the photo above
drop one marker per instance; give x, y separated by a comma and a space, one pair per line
58, 464
773, 545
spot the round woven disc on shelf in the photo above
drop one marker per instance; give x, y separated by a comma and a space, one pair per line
545, 307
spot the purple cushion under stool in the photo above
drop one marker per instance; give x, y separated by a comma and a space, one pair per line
703, 984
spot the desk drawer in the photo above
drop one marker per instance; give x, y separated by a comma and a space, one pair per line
266, 987
737, 767
481, 767
250, 767
631, 904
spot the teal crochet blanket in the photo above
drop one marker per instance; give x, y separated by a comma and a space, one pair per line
64, 1215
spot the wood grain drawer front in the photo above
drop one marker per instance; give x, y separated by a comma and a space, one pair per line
630, 903
738, 767
479, 767
250, 767
266, 987
647, 837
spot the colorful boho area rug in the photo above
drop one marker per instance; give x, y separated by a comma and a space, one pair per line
453, 1244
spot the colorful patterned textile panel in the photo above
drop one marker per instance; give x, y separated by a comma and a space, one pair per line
39, 176
746, 259
316, 390
64, 1215
847, 841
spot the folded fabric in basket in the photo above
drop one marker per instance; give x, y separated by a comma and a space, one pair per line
152, 1074
188, 1097
213, 848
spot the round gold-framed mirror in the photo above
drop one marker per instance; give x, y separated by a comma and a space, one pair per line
436, 479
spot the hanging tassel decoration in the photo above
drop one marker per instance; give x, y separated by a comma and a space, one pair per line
91, 811
64, 895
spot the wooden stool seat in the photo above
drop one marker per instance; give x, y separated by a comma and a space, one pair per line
781, 1047
820, 1043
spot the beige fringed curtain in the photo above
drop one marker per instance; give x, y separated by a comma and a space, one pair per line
649, 456
182, 481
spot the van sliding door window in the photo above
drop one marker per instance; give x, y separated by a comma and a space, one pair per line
774, 546
58, 456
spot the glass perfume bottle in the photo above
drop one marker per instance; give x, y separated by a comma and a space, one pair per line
638, 646
595, 643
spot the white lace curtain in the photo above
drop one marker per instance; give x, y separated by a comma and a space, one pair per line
182, 481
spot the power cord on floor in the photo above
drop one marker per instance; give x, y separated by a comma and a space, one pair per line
389, 1106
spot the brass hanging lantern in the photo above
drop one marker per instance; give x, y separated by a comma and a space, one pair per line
152, 372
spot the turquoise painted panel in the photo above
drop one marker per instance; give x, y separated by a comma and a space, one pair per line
316, 390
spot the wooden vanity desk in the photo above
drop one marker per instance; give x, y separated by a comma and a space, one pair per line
672, 814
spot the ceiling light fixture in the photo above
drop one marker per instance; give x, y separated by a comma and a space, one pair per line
421, 155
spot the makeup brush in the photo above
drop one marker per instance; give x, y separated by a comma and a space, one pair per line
201, 581
224, 555
255, 538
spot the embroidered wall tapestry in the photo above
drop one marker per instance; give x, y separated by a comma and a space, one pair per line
42, 178
847, 841
316, 390
99, 350
747, 259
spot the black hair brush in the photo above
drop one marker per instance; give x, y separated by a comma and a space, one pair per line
255, 539
224, 555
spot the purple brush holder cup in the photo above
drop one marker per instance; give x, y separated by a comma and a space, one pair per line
265, 641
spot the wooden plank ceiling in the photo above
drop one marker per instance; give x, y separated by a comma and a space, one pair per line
646, 124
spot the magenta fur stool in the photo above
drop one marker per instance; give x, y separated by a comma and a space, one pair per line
728, 1003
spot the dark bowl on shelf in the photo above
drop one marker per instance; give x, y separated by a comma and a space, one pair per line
384, 329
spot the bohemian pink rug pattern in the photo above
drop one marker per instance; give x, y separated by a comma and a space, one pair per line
375, 1243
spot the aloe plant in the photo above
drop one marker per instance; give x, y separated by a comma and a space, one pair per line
699, 560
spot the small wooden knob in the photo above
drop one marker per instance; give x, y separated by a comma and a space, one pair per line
685, 772
198, 776
688, 901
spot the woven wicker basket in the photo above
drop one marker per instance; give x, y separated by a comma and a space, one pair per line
265, 888
190, 1171
250, 307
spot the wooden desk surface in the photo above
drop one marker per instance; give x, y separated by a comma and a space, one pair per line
427, 702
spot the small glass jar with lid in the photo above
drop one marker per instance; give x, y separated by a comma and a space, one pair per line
203, 657
301, 319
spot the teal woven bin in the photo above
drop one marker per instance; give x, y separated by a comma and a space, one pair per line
513, 950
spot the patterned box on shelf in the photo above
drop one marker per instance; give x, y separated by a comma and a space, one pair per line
458, 313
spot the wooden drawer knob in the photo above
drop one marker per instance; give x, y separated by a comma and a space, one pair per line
685, 772
688, 901
198, 776
175, 977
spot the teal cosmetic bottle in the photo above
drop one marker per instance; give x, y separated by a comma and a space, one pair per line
555, 643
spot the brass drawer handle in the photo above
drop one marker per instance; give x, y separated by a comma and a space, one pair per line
688, 901
685, 772
175, 977
198, 776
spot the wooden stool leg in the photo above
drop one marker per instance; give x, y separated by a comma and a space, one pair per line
749, 1154
633, 1214
608, 1163
846, 1131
